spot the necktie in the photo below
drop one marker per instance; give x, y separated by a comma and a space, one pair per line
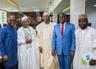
62, 29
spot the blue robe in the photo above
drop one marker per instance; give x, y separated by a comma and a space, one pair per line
8, 45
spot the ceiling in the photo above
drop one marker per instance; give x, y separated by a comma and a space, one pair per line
26, 5
39, 5
89, 5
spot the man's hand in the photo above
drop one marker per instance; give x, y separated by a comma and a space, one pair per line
0, 58
28, 40
53, 53
72, 53
40, 49
5, 58
92, 62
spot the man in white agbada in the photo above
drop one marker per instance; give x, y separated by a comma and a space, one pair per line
85, 44
27, 50
44, 39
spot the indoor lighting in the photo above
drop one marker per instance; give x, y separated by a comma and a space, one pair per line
15, 10
94, 5
66, 9
36, 10
12, 3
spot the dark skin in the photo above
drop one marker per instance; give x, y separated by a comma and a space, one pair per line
25, 23
83, 23
62, 19
46, 18
92, 62
30, 19
40, 49
11, 21
4, 58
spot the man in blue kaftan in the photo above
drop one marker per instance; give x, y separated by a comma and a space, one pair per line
8, 44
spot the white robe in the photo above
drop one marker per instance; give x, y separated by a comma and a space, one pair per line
28, 54
44, 39
85, 42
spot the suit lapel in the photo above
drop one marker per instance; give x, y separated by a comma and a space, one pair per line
59, 30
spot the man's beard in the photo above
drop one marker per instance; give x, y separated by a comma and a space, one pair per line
83, 27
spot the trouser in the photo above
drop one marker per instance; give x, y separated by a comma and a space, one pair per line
64, 61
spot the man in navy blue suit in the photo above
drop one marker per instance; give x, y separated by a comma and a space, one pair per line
63, 42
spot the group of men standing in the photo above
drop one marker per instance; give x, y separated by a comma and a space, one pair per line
35, 49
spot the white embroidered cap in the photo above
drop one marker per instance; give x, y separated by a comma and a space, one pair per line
24, 18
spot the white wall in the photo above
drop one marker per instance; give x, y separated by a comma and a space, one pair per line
92, 18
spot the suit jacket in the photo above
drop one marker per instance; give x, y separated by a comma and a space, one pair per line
65, 44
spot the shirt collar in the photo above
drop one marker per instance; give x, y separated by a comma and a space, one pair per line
64, 24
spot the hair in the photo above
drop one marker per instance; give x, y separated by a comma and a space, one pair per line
83, 16
62, 13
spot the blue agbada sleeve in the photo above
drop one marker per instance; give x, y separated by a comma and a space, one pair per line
2, 40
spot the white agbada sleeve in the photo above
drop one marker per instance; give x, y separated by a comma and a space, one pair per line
34, 38
20, 37
21, 49
35, 55
94, 38
93, 44
38, 37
